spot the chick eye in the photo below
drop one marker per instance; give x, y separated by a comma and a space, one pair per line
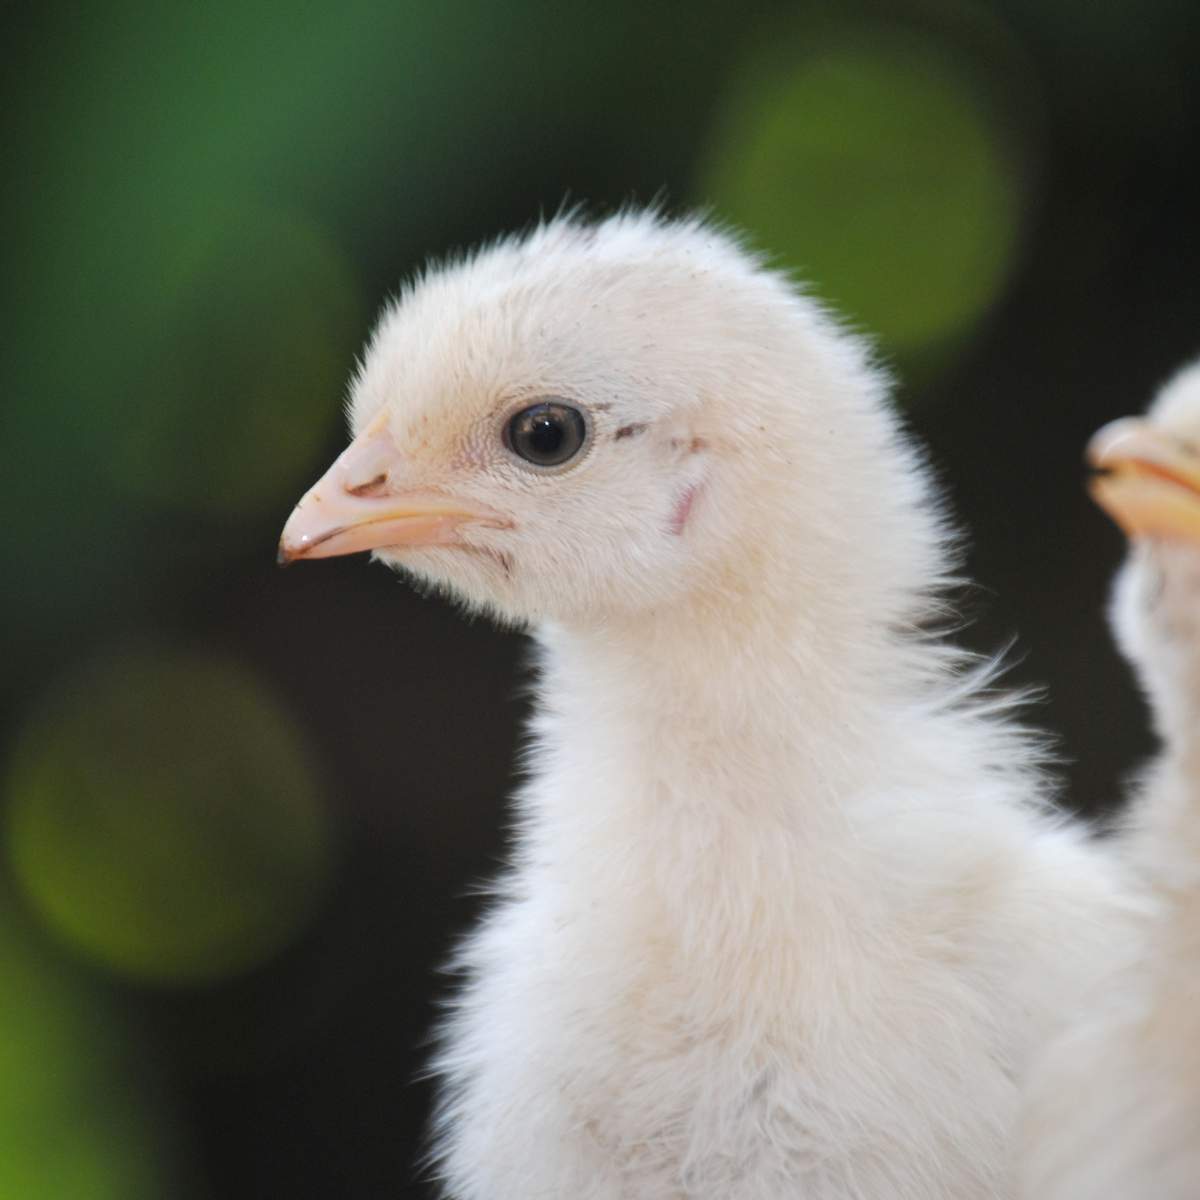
546, 434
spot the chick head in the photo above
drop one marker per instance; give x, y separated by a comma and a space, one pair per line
598, 419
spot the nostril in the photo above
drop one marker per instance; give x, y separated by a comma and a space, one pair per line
371, 488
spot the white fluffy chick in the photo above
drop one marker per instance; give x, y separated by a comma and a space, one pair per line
1115, 1106
787, 915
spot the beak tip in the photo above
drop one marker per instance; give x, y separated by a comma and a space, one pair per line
284, 556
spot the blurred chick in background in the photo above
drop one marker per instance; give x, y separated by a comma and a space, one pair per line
1116, 1105
788, 913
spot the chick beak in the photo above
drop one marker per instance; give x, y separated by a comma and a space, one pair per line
357, 506
1146, 480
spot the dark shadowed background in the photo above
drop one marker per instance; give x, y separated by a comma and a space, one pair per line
243, 809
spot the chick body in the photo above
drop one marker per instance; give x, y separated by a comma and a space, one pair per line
788, 910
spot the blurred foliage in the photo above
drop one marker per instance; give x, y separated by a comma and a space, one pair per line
163, 816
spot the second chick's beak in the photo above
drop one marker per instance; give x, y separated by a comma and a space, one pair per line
1147, 480
360, 504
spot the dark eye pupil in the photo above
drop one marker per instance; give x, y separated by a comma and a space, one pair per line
547, 434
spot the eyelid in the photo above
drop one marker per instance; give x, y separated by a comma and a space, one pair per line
521, 403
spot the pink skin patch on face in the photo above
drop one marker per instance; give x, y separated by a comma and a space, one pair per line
683, 506
683, 509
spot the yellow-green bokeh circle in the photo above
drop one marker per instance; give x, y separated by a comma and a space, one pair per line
164, 817
868, 165
76, 1119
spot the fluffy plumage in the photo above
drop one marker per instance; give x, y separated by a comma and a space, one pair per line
1115, 1105
787, 913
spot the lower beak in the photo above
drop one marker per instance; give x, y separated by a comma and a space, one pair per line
354, 507
1146, 480
324, 528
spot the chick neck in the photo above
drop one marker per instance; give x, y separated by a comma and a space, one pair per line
768, 682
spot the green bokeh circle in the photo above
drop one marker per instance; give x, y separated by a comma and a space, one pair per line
235, 391
164, 817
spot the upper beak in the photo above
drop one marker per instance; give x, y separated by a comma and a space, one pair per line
356, 506
1147, 480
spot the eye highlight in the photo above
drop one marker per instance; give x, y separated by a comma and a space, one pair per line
546, 434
